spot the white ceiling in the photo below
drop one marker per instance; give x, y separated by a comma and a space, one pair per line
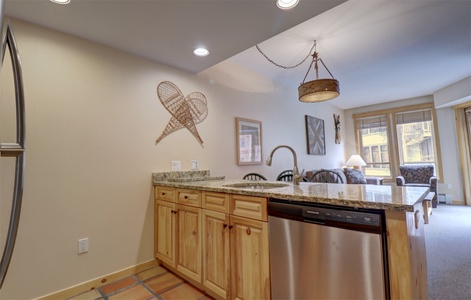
379, 50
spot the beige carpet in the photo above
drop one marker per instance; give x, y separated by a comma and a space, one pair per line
448, 246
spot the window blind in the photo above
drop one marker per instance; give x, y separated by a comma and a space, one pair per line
414, 116
371, 122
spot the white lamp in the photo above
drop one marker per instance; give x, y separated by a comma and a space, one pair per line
355, 161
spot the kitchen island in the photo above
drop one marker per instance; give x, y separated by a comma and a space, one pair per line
214, 233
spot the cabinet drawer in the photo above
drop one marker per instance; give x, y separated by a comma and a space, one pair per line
189, 197
216, 201
249, 207
164, 193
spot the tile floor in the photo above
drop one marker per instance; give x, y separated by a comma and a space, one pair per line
154, 283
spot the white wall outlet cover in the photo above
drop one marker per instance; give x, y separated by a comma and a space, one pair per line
176, 165
82, 245
194, 165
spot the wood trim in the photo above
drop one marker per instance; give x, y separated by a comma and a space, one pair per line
406, 254
437, 146
100, 281
464, 150
394, 110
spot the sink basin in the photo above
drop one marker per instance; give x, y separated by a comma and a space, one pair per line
257, 185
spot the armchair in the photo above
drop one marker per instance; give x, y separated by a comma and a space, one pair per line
419, 175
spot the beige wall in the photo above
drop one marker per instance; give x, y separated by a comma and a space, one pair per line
92, 119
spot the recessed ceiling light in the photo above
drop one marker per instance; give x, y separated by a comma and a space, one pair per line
200, 52
61, 1
286, 4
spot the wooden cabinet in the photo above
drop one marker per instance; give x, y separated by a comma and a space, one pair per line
188, 238
249, 264
249, 244
217, 241
178, 230
236, 264
165, 231
216, 258
164, 223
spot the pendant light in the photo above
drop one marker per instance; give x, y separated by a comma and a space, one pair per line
318, 90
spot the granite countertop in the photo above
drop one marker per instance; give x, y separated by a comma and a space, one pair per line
383, 197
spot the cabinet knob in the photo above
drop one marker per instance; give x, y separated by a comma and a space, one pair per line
186, 197
163, 193
174, 212
248, 231
230, 226
224, 226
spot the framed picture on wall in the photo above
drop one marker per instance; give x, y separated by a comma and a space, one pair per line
315, 135
248, 141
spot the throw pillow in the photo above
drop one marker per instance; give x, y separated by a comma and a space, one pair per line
354, 176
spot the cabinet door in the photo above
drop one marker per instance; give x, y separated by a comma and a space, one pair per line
189, 241
216, 258
249, 259
165, 231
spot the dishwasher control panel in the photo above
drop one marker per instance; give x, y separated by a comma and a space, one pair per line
321, 215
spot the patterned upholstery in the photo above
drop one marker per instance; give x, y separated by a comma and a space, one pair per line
355, 176
419, 175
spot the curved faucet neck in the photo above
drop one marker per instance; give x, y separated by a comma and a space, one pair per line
288, 147
296, 176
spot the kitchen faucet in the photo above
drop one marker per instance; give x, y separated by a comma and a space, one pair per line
296, 176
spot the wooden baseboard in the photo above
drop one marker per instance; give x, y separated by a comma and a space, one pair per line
98, 282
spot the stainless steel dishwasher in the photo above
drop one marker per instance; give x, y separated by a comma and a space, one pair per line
326, 252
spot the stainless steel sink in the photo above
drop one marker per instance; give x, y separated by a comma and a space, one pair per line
257, 185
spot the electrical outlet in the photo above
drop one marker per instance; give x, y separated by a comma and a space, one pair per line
194, 165
448, 186
83, 246
176, 165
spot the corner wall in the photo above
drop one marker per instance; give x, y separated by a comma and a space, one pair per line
92, 120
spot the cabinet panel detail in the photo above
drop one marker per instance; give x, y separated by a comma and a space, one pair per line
216, 201
164, 193
250, 207
189, 197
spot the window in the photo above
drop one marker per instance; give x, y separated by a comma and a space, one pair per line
414, 137
373, 139
390, 138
